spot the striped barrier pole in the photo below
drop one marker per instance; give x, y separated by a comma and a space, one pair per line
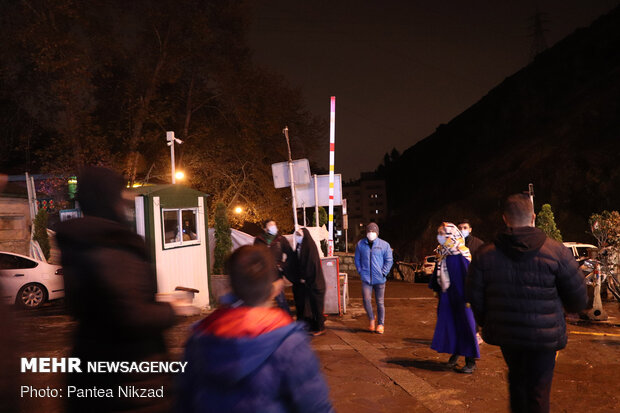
332, 145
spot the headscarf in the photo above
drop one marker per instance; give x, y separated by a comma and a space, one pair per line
454, 245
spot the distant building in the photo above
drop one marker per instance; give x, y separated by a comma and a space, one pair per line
366, 202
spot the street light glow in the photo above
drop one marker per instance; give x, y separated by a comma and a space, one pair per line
179, 175
238, 210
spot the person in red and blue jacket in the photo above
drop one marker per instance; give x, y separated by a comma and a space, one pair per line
248, 356
373, 261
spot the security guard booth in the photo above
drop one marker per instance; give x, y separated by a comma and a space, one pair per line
172, 220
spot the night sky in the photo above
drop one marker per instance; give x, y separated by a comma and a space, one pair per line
398, 69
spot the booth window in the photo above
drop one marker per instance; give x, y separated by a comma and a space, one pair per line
180, 227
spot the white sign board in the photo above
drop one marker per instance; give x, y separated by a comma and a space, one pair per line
305, 193
301, 173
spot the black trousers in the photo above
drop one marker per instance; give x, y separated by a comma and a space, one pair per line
529, 376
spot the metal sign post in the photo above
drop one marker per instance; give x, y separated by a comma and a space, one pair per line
345, 225
291, 177
316, 202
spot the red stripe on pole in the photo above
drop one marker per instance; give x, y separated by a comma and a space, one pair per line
332, 146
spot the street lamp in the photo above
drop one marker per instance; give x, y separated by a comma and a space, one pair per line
238, 210
171, 140
179, 175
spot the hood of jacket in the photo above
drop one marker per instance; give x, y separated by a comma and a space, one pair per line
233, 343
520, 243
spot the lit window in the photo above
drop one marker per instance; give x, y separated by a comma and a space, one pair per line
376, 211
180, 227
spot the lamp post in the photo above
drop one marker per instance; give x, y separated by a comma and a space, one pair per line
171, 140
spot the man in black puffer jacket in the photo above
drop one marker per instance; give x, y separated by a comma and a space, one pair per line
518, 288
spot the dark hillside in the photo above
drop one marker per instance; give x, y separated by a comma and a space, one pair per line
555, 123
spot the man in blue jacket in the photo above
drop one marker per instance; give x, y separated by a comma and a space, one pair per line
373, 260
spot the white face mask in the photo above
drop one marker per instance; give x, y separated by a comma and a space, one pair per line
298, 238
465, 233
272, 229
371, 236
441, 239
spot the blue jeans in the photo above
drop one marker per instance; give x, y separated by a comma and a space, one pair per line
379, 298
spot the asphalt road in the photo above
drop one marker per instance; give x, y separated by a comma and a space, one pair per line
394, 372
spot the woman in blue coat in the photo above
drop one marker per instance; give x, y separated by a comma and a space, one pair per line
373, 260
455, 331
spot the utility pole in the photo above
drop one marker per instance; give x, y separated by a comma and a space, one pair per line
291, 176
171, 140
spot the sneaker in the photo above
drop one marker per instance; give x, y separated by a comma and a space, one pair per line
380, 329
371, 328
452, 361
468, 368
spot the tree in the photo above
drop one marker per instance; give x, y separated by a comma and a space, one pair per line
322, 217
223, 241
40, 232
546, 221
99, 83
605, 227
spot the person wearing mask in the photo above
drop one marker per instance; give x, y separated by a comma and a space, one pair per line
519, 287
279, 247
455, 331
472, 242
248, 356
308, 282
373, 261
110, 288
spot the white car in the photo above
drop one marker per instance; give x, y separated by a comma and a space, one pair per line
27, 282
578, 249
428, 266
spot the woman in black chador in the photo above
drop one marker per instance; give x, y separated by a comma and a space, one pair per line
309, 285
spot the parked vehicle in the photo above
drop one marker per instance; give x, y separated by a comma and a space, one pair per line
29, 283
425, 269
579, 250
428, 265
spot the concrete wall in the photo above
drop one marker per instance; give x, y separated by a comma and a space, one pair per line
14, 225
347, 264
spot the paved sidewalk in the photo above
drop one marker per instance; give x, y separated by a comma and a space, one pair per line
398, 372
394, 372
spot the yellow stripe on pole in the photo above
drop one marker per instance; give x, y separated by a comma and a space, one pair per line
331, 168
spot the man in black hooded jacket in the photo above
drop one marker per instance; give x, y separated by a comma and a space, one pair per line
518, 288
110, 289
